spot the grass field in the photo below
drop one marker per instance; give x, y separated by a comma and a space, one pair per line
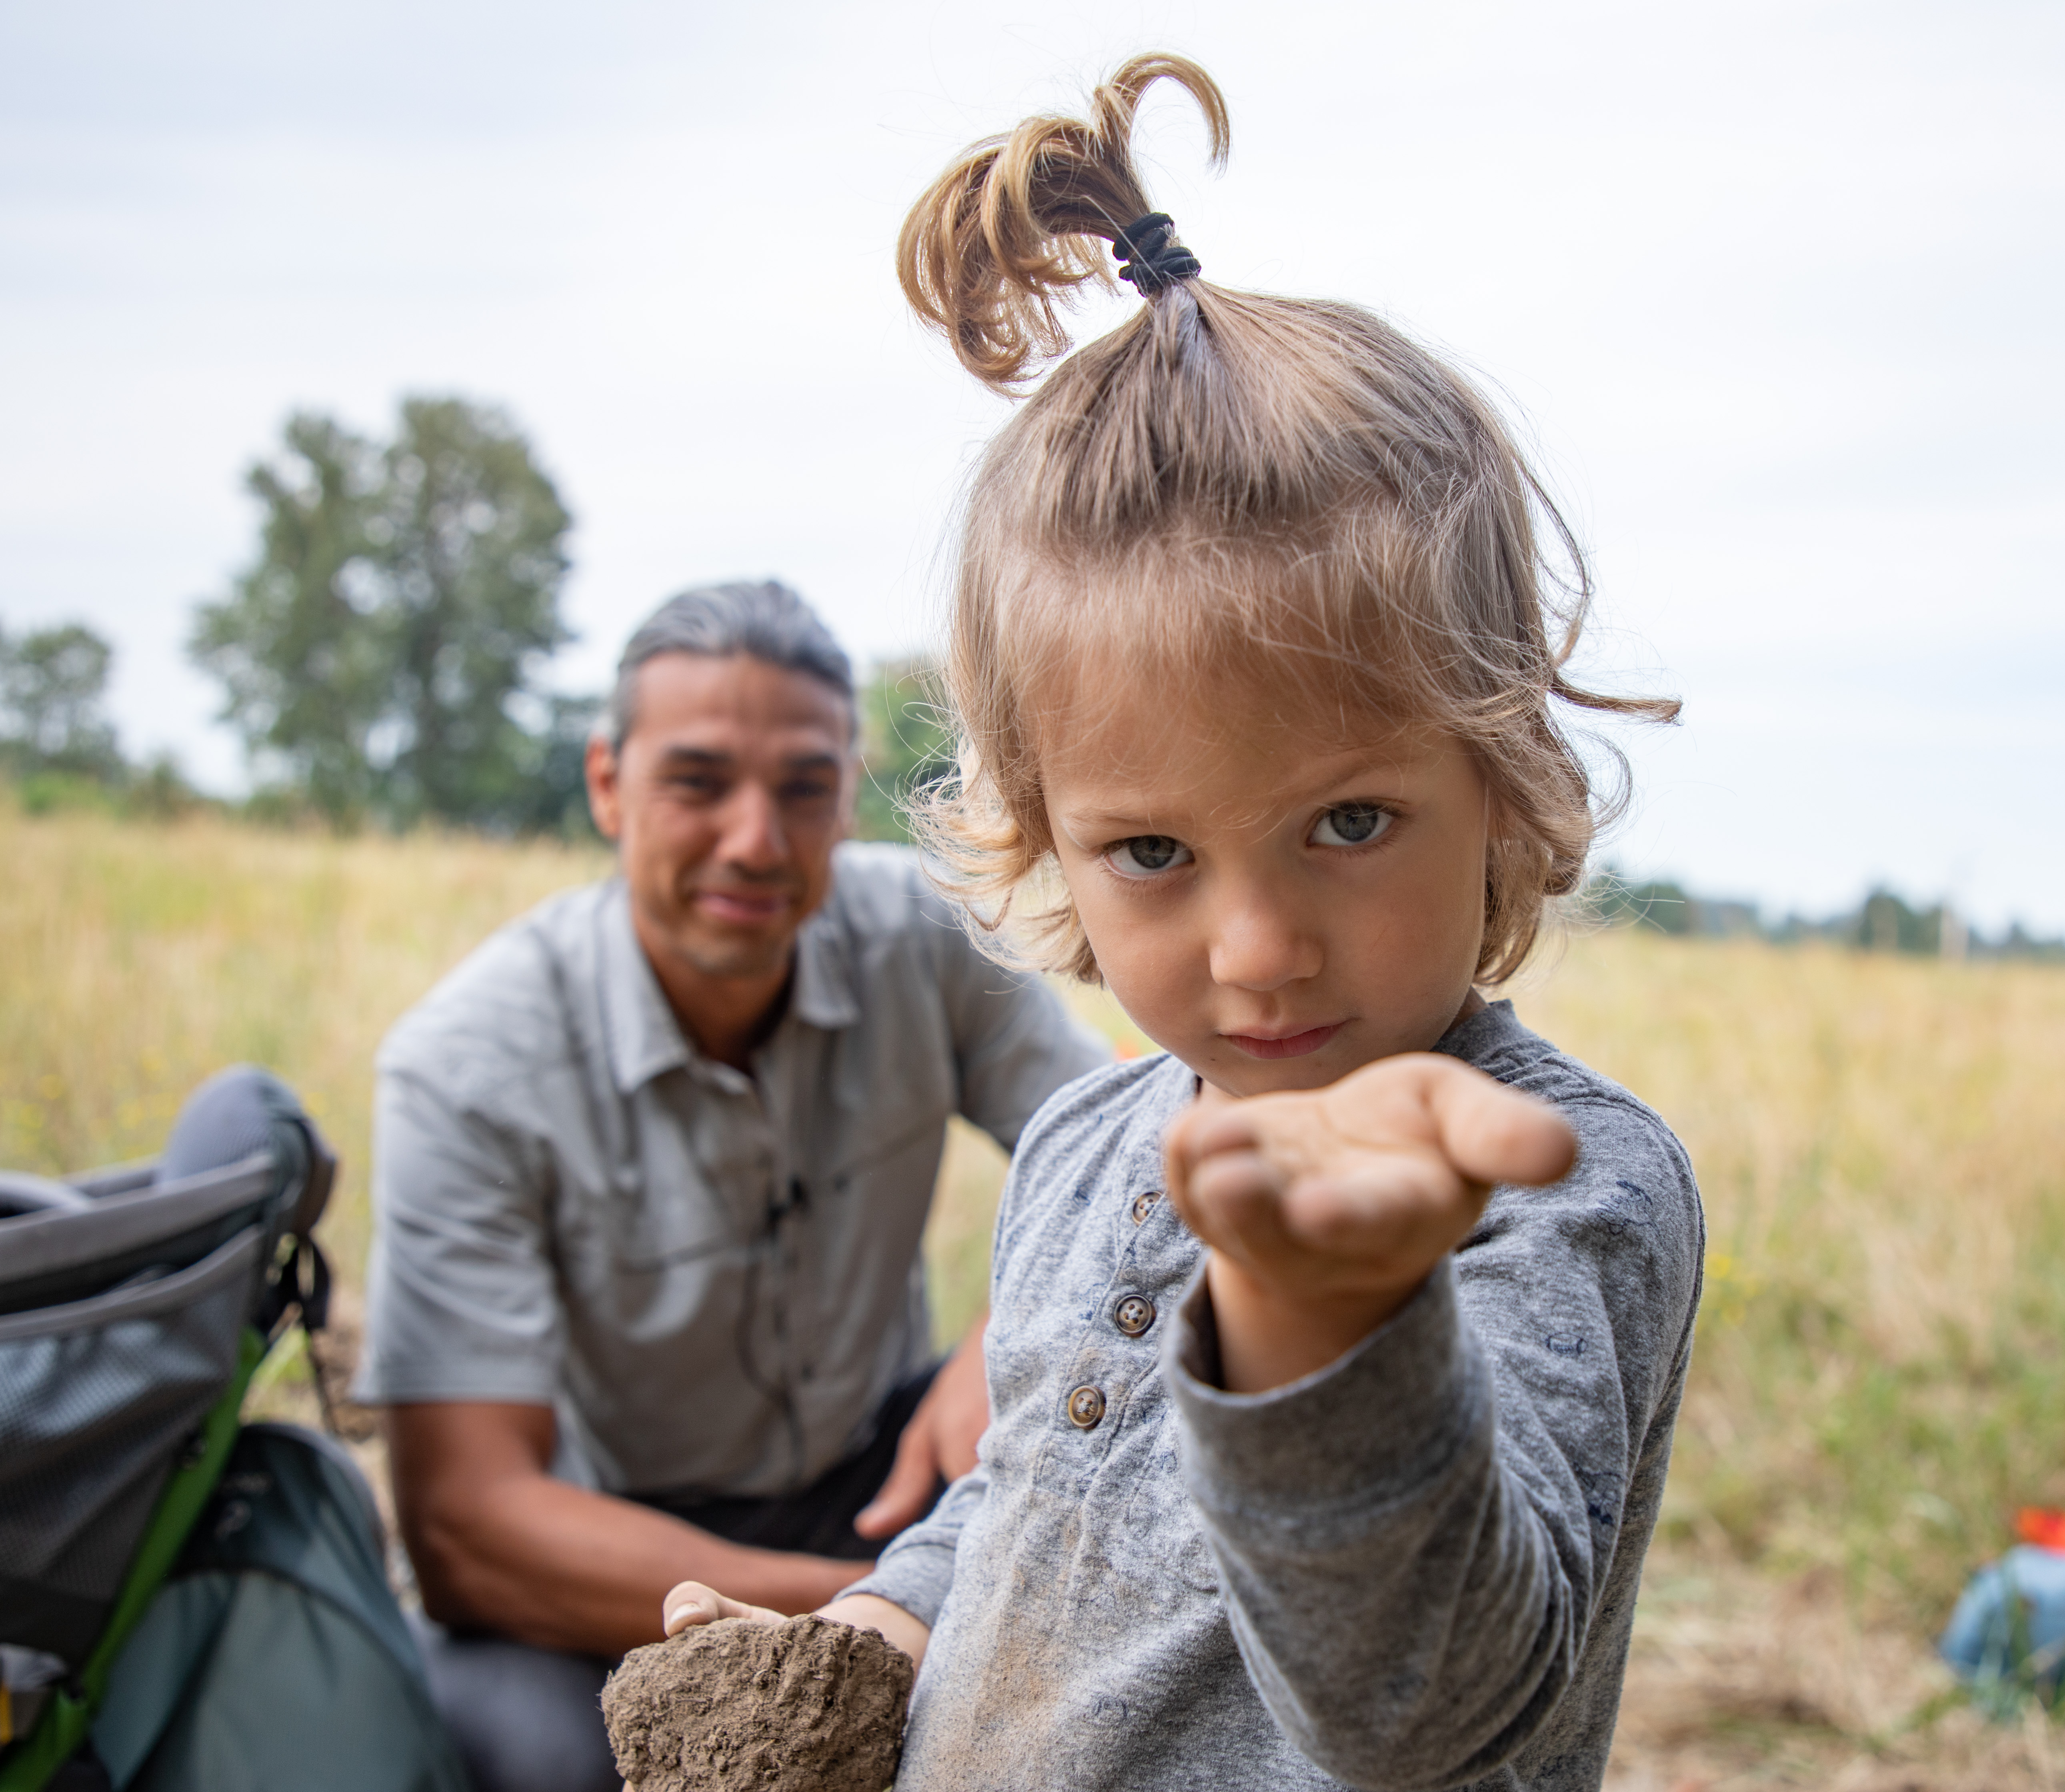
1880, 1373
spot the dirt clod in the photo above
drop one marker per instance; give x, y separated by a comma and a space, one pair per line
808, 1705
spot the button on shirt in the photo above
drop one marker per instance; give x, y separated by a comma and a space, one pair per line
713, 1277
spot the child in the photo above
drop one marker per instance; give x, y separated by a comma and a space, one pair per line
1330, 1415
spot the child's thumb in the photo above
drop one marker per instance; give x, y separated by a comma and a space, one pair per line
1492, 1133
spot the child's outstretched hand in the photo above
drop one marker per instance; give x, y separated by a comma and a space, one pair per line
1325, 1212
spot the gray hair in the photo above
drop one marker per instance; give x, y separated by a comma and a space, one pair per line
768, 622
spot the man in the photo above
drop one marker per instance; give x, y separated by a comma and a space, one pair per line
650, 1171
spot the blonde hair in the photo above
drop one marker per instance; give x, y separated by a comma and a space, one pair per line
1228, 481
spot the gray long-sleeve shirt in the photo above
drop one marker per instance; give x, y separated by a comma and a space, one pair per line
1416, 1567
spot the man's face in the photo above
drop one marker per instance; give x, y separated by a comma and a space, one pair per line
734, 784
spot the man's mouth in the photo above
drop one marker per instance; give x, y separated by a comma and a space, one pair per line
1283, 1045
743, 908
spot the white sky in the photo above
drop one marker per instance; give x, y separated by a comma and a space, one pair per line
1774, 287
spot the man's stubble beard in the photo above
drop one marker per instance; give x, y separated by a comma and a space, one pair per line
742, 957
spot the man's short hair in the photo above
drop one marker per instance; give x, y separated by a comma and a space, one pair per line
767, 621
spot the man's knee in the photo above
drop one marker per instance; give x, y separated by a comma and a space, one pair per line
524, 1719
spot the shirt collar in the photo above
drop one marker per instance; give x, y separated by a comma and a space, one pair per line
644, 1040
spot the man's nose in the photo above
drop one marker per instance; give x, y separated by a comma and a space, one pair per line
754, 838
1261, 941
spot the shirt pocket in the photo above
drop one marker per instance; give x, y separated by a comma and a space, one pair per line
650, 1217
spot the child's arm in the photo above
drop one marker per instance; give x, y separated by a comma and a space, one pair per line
1417, 1538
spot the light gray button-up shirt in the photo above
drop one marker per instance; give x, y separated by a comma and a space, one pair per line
713, 1277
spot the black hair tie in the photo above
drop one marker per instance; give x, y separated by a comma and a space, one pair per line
1153, 258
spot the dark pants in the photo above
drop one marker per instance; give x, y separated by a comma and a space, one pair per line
528, 1720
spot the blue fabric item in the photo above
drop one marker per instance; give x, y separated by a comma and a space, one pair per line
2010, 1621
274, 1657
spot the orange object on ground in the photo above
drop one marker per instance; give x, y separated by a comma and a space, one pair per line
2043, 1526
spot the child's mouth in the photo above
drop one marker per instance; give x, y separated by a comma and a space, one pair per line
1288, 1045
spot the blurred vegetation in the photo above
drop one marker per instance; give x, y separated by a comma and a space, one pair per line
1885, 922
1880, 1377
380, 657
905, 745
57, 749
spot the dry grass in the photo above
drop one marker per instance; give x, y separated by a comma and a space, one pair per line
138, 959
1882, 1149
1878, 1381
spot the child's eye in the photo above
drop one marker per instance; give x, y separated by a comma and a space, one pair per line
1351, 825
1146, 855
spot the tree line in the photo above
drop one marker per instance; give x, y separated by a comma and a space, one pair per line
382, 657
1884, 922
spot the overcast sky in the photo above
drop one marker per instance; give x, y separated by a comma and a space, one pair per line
1773, 288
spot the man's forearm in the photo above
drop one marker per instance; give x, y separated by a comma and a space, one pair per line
562, 1568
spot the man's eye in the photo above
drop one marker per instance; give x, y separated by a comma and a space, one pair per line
1146, 855
1351, 825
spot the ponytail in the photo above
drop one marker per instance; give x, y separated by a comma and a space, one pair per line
1017, 223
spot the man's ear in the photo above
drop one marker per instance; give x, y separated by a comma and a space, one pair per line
605, 794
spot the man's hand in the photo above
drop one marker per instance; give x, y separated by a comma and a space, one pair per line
1325, 1212
938, 1444
692, 1603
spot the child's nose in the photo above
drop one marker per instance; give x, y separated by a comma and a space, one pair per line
1260, 944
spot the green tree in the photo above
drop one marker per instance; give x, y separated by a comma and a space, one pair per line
52, 683
904, 744
378, 655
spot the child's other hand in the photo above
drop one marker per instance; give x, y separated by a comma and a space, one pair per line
692, 1603
1325, 1212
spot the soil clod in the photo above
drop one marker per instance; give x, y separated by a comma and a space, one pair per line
808, 1705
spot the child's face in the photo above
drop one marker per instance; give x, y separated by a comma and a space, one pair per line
1275, 908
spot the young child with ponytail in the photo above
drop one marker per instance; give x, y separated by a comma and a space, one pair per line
1334, 1353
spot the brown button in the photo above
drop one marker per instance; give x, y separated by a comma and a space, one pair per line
1142, 1206
1133, 1314
1086, 1407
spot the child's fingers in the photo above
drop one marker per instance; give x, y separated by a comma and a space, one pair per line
692, 1603
1494, 1134
1234, 1191
1198, 1133
1405, 1207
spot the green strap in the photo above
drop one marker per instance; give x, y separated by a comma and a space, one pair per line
69, 1713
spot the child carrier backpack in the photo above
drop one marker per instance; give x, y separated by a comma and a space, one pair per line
186, 1604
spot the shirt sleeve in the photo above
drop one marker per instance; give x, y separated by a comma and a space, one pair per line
1412, 1542
461, 1299
1014, 1042
916, 1571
